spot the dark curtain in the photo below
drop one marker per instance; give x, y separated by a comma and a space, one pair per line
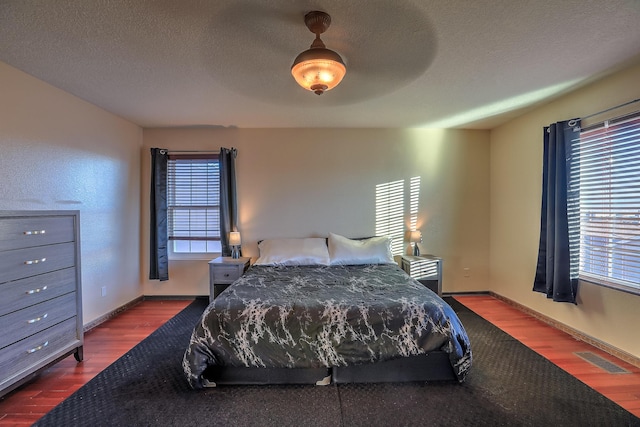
228, 202
159, 259
554, 270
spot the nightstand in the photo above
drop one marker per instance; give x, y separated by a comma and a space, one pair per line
223, 271
426, 269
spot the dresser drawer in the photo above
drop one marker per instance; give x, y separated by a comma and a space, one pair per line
25, 232
19, 294
421, 269
36, 318
36, 351
28, 262
224, 274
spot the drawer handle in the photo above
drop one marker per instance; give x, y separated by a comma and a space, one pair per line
40, 347
226, 274
34, 232
35, 261
35, 291
37, 319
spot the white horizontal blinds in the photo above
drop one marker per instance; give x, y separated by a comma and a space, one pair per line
193, 191
573, 209
609, 179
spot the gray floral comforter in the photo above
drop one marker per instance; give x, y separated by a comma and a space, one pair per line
315, 316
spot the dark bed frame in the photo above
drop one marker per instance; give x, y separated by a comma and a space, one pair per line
434, 366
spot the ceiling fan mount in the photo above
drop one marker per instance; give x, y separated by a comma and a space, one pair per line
317, 22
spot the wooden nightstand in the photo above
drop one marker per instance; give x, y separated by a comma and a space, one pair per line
426, 269
223, 271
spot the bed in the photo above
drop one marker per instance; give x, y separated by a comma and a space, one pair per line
299, 315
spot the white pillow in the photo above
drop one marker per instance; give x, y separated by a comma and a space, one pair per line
309, 251
375, 250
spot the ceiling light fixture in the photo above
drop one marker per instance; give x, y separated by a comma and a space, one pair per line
318, 69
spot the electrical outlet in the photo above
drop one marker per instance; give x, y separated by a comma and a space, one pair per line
467, 272
103, 291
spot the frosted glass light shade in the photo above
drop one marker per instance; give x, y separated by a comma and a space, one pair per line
318, 69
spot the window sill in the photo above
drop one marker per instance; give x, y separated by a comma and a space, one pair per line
194, 256
622, 288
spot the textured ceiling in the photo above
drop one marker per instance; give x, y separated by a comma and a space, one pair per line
430, 63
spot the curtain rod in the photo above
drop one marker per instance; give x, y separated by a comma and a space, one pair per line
188, 151
169, 152
610, 109
234, 151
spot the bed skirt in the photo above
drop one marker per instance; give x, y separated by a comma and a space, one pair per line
435, 366
216, 375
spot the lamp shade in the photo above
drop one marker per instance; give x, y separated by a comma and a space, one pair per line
318, 69
234, 238
415, 236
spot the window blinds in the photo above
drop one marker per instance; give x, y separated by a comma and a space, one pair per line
605, 169
193, 197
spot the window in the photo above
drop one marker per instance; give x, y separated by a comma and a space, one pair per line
193, 203
605, 182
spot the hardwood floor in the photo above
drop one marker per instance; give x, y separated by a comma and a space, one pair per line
110, 340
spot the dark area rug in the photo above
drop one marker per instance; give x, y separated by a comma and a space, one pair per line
509, 385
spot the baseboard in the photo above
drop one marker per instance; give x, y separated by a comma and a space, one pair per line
607, 348
468, 293
87, 327
173, 297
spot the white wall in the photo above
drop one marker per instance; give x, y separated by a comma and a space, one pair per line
309, 182
516, 170
59, 152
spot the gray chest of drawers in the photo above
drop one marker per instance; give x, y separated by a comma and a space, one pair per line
40, 293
